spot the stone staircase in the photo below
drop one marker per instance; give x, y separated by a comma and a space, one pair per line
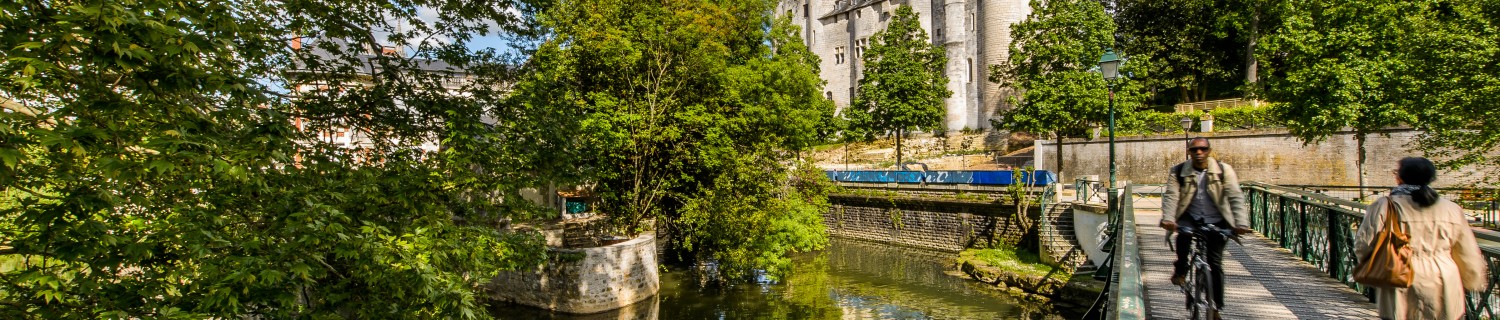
1059, 244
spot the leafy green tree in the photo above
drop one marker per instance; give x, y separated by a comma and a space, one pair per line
1371, 65
162, 159
1198, 49
903, 85
1337, 66
687, 113
1052, 63
1450, 81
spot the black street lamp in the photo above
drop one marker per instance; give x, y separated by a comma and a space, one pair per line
1109, 67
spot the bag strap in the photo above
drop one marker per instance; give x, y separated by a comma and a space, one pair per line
1392, 215
1177, 173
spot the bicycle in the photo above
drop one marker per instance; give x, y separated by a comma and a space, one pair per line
1199, 286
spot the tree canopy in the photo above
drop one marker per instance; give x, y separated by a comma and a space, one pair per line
1197, 49
1330, 71
174, 159
688, 114
1052, 64
903, 85
1370, 65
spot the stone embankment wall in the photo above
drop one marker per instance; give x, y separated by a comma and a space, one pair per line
909, 190
936, 224
586, 280
1270, 156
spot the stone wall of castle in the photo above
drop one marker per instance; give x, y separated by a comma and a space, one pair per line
975, 33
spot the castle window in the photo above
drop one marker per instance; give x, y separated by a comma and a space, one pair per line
861, 44
838, 55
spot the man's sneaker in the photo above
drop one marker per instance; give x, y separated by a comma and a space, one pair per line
1178, 279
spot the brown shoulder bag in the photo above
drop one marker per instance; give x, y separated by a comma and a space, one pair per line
1389, 265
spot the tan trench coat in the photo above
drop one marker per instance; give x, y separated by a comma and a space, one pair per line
1445, 260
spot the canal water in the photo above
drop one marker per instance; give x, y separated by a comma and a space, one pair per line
849, 280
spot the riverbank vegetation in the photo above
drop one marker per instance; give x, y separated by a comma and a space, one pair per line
328, 159
1024, 274
689, 114
1008, 259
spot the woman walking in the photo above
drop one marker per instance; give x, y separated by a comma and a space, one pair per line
1445, 260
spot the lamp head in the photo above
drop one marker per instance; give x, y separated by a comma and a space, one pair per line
1109, 64
1186, 123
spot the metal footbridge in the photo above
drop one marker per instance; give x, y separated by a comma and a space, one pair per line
1297, 265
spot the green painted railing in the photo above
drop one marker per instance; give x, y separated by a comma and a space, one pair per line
1320, 229
1084, 190
1127, 292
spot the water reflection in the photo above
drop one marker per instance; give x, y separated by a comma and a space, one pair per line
849, 280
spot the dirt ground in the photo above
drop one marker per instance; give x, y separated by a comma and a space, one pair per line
978, 151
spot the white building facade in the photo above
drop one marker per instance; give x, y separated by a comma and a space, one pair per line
975, 33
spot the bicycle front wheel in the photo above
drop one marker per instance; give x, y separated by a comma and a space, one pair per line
1201, 293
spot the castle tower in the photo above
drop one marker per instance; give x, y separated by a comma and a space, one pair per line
975, 33
995, 18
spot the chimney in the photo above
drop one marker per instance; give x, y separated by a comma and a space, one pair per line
389, 51
297, 43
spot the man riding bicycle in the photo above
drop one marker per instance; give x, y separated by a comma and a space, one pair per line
1203, 191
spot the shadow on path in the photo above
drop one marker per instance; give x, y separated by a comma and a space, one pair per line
1263, 281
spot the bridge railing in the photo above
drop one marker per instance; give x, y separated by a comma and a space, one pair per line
1481, 204
1320, 229
1128, 294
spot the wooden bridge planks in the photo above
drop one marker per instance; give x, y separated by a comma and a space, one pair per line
1264, 281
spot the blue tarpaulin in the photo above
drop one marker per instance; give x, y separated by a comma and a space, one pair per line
987, 177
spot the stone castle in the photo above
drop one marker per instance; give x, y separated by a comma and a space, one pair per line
976, 34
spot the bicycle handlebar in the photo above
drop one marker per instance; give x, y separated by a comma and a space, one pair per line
1228, 233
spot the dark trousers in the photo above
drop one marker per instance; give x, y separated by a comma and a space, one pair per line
1215, 256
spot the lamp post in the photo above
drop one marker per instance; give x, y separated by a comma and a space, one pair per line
1109, 67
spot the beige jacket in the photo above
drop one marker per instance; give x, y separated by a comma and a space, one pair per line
1223, 188
1445, 260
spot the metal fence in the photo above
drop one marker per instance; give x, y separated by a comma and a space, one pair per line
1213, 104
1086, 190
1482, 206
1320, 229
1090, 190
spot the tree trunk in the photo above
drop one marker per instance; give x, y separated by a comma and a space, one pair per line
898, 148
1202, 89
1250, 63
1359, 138
1059, 155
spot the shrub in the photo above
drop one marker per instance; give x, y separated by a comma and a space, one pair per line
1225, 119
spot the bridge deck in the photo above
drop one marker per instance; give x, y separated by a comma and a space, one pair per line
1264, 281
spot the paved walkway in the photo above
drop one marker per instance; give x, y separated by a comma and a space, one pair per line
1264, 280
